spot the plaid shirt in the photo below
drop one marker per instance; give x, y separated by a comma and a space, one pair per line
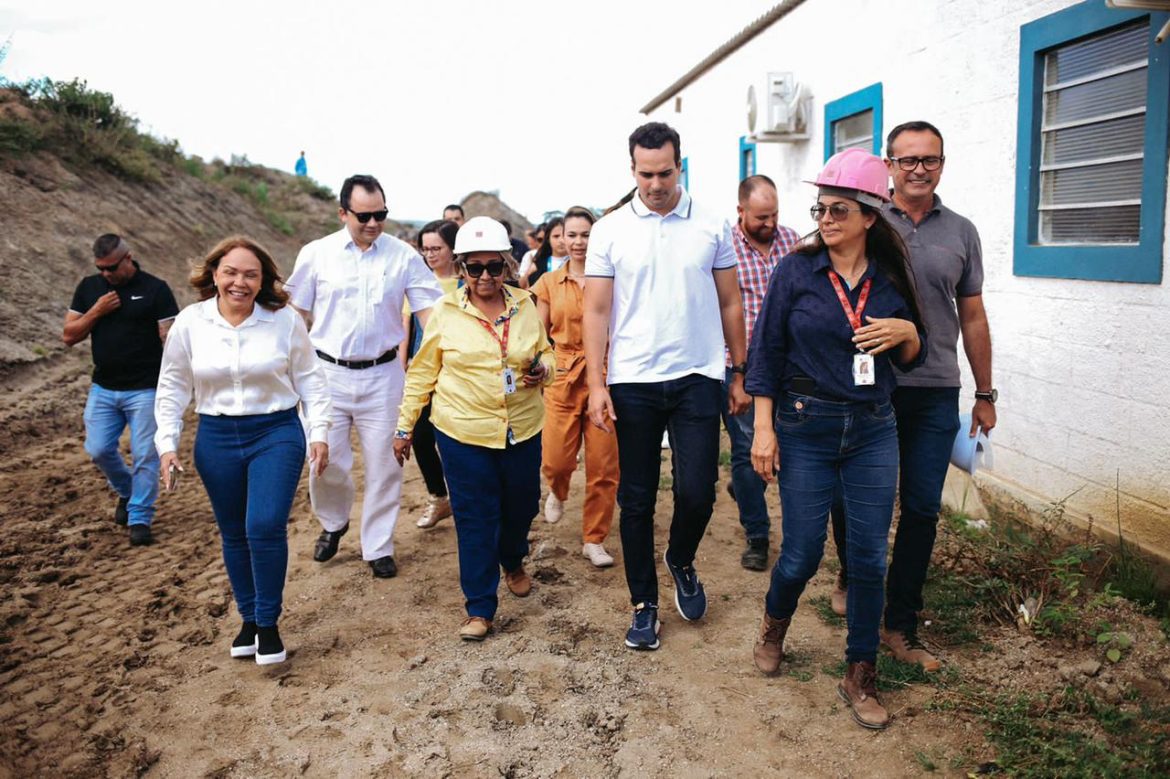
754, 271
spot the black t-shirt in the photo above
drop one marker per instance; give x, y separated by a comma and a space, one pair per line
127, 351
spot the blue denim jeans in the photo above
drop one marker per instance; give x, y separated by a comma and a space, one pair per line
749, 487
494, 493
107, 413
689, 409
250, 466
822, 445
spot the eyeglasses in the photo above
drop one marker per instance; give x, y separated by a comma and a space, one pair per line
110, 268
910, 163
494, 268
366, 216
839, 211
430, 250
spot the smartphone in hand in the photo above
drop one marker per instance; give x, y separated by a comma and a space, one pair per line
172, 478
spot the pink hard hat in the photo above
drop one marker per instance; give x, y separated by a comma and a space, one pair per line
857, 175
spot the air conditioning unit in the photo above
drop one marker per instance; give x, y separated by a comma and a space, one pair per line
787, 106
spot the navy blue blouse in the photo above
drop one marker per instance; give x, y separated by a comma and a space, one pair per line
802, 330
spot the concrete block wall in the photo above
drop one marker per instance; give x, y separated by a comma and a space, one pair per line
1080, 365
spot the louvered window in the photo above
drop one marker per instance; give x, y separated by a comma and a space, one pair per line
853, 132
1092, 135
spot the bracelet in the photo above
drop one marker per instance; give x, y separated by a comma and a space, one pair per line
401, 435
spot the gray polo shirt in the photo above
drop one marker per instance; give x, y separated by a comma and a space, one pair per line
947, 260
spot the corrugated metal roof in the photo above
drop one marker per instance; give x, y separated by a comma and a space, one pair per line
778, 12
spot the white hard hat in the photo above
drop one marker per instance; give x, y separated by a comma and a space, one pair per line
482, 234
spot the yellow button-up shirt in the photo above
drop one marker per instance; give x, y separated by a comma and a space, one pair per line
459, 371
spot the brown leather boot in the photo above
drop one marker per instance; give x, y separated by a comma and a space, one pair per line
769, 649
906, 648
519, 582
859, 690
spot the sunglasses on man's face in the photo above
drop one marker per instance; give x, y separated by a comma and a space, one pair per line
366, 216
495, 269
109, 268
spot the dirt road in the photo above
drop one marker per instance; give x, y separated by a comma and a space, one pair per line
114, 662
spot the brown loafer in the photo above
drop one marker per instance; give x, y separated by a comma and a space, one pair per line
475, 628
519, 582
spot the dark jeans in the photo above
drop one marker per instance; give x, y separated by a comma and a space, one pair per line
250, 466
824, 445
749, 487
495, 493
427, 455
928, 421
689, 409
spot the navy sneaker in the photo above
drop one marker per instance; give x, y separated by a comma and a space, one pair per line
689, 597
643, 633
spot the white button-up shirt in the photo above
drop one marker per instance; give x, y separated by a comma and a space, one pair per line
355, 297
264, 365
666, 321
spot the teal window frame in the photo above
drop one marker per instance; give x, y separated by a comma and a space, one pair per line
1140, 263
744, 148
684, 173
867, 99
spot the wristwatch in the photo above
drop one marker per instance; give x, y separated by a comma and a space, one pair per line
740, 369
990, 396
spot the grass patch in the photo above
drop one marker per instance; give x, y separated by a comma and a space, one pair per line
952, 609
894, 675
724, 459
824, 608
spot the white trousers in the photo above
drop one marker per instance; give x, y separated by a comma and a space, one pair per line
367, 401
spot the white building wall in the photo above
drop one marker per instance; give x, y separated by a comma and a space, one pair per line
1080, 365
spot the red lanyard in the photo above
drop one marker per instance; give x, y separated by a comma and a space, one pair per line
854, 317
503, 342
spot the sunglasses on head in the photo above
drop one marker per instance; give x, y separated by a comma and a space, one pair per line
495, 269
366, 216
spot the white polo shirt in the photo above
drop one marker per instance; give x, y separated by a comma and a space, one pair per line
665, 321
355, 297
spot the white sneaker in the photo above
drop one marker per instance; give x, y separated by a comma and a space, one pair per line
437, 508
554, 509
597, 555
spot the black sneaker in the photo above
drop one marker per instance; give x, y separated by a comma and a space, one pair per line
689, 597
121, 515
269, 647
140, 535
643, 633
245, 643
755, 556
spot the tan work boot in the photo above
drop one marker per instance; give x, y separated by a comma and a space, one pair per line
859, 690
840, 598
438, 507
475, 628
769, 649
519, 582
906, 648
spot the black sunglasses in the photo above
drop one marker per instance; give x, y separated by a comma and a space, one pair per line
366, 216
495, 269
110, 268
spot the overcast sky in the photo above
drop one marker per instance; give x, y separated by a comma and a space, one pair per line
434, 98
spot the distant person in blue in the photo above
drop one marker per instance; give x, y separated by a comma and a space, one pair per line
302, 167
126, 312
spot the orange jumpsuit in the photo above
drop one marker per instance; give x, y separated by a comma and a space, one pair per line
566, 419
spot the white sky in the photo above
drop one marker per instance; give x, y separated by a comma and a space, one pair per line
435, 99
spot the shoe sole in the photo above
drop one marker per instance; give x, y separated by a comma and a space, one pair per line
279, 657
867, 725
244, 651
677, 605
472, 638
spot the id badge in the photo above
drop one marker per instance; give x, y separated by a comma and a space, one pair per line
862, 369
509, 381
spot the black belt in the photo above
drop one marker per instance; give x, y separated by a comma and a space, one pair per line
359, 365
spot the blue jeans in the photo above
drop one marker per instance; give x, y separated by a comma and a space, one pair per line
749, 487
250, 466
824, 445
689, 409
495, 493
107, 413
928, 421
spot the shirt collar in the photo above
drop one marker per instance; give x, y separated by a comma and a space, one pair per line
512, 303
738, 234
209, 310
935, 206
821, 264
682, 209
347, 241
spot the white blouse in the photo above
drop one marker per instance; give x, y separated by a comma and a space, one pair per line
265, 365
